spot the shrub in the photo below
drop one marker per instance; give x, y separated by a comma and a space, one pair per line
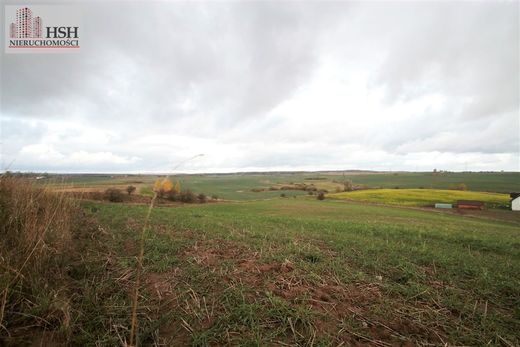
202, 198
187, 196
321, 196
172, 195
113, 195
214, 197
130, 189
282, 195
348, 186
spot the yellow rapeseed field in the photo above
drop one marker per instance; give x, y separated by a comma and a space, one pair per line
421, 197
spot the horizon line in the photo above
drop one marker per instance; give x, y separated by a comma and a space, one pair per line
249, 172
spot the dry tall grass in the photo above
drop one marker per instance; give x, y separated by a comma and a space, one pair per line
35, 235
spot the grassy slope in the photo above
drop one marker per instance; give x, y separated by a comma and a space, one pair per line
421, 197
444, 277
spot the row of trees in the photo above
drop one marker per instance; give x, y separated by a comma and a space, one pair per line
166, 189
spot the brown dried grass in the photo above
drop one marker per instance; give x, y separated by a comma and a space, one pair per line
35, 235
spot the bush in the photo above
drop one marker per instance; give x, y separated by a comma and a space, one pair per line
114, 195
187, 196
202, 198
282, 195
348, 186
130, 189
321, 196
214, 197
172, 195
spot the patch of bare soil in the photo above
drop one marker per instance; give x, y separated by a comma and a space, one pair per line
341, 306
213, 252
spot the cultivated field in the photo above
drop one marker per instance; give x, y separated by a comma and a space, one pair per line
293, 271
257, 269
422, 197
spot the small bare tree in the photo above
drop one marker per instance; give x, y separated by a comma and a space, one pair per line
348, 186
130, 189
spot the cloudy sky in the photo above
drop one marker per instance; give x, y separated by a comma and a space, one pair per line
270, 86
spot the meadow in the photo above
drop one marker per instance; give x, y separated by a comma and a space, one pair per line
257, 269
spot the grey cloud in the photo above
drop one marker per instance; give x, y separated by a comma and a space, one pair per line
469, 50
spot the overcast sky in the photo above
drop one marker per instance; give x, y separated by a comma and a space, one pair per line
270, 86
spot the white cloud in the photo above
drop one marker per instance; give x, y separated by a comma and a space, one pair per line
83, 157
41, 153
47, 155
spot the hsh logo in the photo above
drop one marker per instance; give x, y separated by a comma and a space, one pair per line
25, 32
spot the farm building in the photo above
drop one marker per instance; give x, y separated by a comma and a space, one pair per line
515, 201
470, 204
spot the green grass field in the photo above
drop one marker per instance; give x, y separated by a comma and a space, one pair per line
422, 197
292, 271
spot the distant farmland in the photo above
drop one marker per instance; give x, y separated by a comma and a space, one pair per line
239, 186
